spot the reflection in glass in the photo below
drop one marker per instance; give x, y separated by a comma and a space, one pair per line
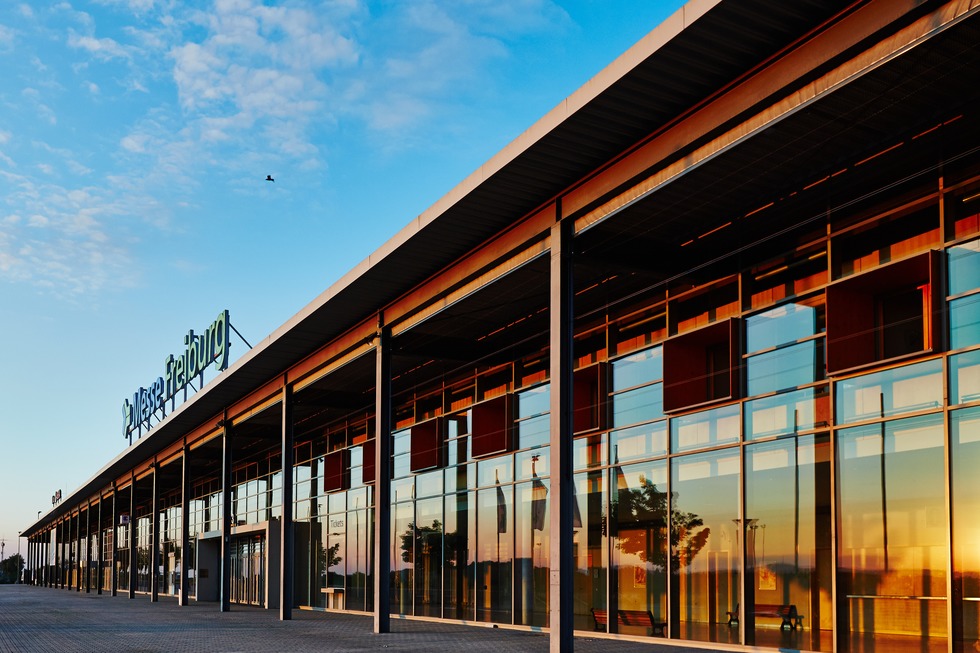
964, 267
589, 547
891, 392
964, 321
638, 368
788, 541
402, 559
782, 368
458, 572
534, 401
790, 412
334, 552
964, 378
495, 553
704, 538
780, 325
638, 405
426, 539
965, 460
705, 428
892, 526
589, 451
639, 534
531, 555
641, 441
533, 432
358, 557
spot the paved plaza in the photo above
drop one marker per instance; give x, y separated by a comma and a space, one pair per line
54, 621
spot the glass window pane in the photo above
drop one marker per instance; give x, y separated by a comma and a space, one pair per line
402, 466
705, 544
427, 533
536, 462
334, 550
706, 428
534, 432
402, 558
787, 540
964, 377
403, 490
777, 326
358, 545
495, 554
494, 470
964, 321
965, 443
782, 368
639, 405
589, 546
790, 412
893, 528
589, 451
429, 484
639, 540
638, 368
636, 442
964, 267
458, 572
531, 554
535, 401
401, 442
892, 392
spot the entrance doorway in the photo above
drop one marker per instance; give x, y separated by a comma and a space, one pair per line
248, 570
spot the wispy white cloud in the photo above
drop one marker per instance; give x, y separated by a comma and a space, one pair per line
254, 86
6, 38
63, 244
103, 49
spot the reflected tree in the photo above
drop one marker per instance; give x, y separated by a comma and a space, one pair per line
425, 538
644, 513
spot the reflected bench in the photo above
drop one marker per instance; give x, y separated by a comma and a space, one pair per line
641, 618
787, 613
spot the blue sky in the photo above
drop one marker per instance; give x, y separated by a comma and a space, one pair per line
135, 138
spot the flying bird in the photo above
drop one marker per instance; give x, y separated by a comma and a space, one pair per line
269, 178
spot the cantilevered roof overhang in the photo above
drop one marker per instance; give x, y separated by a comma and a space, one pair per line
680, 66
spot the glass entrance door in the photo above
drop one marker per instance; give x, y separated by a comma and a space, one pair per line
248, 570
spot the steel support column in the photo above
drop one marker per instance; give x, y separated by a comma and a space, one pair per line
78, 551
225, 601
132, 537
185, 523
100, 553
88, 548
155, 536
382, 480
64, 569
113, 572
561, 579
287, 549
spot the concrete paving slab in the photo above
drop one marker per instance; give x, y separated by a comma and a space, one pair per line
45, 620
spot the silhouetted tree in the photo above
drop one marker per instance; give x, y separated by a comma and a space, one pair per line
10, 568
642, 524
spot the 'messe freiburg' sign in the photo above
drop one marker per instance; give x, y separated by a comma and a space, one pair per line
201, 350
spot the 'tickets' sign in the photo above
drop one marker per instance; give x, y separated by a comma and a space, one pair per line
199, 352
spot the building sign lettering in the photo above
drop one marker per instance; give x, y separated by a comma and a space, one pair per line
200, 351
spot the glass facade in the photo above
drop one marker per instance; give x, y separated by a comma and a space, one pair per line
710, 524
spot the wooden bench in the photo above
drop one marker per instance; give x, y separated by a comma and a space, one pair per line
790, 617
641, 618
